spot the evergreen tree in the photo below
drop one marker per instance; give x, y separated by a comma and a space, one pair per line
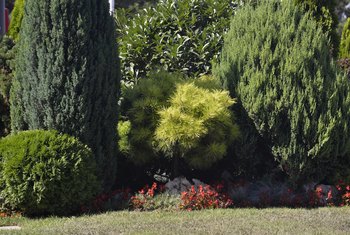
16, 19
67, 75
344, 50
276, 61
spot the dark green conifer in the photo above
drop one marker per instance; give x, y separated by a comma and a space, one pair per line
67, 75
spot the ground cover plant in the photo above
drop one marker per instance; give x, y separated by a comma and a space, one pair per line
221, 221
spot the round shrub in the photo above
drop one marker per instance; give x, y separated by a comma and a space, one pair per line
276, 61
140, 106
197, 125
45, 173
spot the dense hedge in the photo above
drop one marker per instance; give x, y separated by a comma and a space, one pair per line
276, 61
44, 172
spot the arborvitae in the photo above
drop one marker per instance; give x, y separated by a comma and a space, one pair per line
16, 19
67, 75
344, 50
276, 61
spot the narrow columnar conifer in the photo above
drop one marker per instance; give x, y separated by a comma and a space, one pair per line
67, 75
276, 61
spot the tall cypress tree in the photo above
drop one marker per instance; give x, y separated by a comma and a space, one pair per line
67, 75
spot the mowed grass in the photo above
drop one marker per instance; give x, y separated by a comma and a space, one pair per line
224, 221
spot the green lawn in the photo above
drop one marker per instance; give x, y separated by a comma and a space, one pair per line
225, 221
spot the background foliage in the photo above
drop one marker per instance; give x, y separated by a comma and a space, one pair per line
7, 53
172, 35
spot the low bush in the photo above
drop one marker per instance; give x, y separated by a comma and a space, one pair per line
44, 173
204, 198
153, 198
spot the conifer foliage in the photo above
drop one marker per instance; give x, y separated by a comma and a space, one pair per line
344, 50
276, 61
323, 11
66, 75
16, 19
198, 124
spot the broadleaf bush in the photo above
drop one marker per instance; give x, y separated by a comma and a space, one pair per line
184, 35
